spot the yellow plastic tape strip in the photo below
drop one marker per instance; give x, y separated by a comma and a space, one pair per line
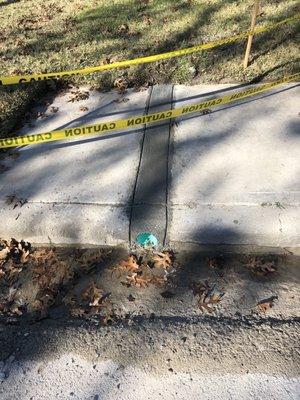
9, 80
104, 127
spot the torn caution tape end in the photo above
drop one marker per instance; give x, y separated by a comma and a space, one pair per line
105, 127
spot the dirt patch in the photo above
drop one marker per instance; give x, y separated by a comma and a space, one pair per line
112, 284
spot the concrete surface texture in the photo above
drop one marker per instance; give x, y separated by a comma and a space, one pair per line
73, 377
230, 176
156, 359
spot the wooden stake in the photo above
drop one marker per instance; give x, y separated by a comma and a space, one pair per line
250, 38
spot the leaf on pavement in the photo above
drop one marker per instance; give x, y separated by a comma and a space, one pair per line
260, 266
162, 260
121, 100
54, 110
207, 302
159, 280
129, 265
207, 297
137, 280
264, 305
88, 259
94, 295
77, 95
3, 254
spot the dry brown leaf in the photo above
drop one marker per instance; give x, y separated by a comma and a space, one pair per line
264, 305
206, 302
121, 84
47, 297
159, 280
121, 100
129, 265
54, 109
11, 270
77, 95
207, 297
89, 258
4, 254
162, 260
260, 266
49, 270
137, 280
147, 19
93, 294
105, 61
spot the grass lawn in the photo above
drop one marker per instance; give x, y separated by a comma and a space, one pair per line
48, 36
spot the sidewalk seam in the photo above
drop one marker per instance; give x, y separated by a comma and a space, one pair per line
132, 203
169, 177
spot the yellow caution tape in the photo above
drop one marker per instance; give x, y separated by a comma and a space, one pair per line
9, 80
104, 127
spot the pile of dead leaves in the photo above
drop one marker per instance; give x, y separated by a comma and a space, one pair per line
91, 301
14, 256
55, 272
260, 266
207, 297
149, 267
50, 273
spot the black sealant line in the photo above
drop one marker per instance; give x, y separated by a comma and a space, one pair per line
169, 163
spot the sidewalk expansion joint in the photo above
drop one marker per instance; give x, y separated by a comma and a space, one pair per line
149, 200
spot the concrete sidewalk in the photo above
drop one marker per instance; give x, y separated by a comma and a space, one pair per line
228, 177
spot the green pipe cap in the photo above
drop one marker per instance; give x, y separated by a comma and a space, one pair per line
146, 239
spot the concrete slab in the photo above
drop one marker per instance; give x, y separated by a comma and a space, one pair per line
228, 177
67, 183
235, 171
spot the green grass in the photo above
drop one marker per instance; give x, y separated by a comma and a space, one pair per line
47, 36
